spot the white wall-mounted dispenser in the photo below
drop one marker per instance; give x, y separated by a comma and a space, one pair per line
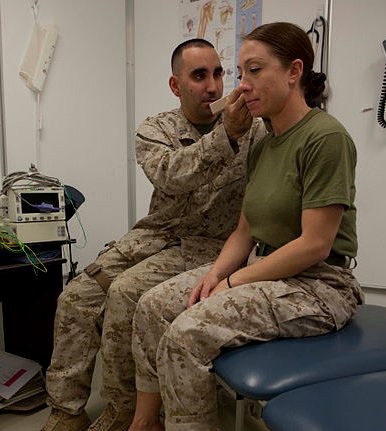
39, 54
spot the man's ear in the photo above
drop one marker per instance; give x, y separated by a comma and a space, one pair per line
174, 86
296, 71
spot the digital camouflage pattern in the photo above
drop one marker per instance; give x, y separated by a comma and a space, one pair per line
174, 346
198, 185
198, 188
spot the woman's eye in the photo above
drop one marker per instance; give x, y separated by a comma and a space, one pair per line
254, 69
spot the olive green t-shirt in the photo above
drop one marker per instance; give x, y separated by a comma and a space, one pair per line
311, 165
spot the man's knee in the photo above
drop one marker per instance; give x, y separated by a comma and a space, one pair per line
72, 291
110, 263
80, 295
96, 272
123, 286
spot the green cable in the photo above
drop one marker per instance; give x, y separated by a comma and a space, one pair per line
9, 240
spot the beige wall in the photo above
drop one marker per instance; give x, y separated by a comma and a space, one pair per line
84, 108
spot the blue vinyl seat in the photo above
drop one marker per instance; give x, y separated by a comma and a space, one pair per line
355, 403
261, 371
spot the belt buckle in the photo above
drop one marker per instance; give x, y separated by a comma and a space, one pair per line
351, 263
260, 249
92, 269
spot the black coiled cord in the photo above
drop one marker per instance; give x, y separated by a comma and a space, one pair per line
382, 103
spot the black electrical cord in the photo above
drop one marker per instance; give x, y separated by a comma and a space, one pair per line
382, 103
324, 25
73, 265
320, 37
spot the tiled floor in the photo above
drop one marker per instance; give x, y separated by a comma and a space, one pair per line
35, 421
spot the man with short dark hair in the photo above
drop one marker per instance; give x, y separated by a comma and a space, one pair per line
196, 163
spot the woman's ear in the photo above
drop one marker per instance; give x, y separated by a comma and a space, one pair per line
174, 86
296, 71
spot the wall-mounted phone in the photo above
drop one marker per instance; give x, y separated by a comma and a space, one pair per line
38, 57
382, 99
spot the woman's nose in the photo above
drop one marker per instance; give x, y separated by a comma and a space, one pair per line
244, 85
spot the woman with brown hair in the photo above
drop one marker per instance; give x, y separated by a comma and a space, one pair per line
285, 270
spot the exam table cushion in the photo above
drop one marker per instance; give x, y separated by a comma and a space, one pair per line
261, 371
355, 403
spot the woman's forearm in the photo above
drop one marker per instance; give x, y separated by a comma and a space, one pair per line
235, 251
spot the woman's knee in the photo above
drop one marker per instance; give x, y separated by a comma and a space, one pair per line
185, 334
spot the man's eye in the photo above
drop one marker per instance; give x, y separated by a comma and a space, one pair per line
199, 76
219, 74
254, 69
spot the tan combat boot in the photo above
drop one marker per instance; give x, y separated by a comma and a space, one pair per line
61, 421
112, 420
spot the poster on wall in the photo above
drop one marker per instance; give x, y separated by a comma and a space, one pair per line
222, 22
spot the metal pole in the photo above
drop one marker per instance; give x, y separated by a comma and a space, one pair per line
329, 8
130, 104
3, 152
326, 60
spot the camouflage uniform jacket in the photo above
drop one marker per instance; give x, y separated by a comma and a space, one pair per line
198, 179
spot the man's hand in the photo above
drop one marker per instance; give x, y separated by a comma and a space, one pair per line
237, 118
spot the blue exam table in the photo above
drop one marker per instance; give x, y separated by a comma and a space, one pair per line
262, 371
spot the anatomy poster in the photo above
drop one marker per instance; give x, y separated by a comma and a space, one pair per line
222, 22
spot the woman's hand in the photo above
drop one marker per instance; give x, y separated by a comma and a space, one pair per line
203, 289
232, 257
223, 285
208, 286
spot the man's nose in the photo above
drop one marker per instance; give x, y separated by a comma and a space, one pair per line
212, 85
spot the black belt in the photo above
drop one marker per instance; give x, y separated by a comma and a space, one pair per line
263, 249
336, 259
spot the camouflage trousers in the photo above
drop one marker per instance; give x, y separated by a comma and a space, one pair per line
173, 346
88, 320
